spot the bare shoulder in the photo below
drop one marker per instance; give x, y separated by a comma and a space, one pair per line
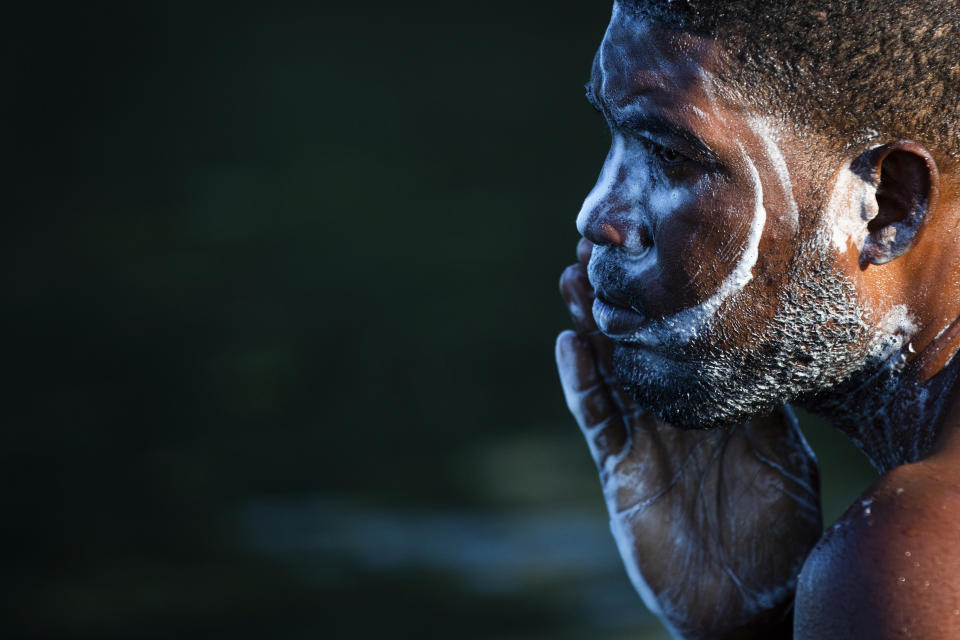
890, 567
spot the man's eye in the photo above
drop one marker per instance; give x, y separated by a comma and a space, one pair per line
666, 155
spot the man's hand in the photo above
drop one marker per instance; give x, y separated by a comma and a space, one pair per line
713, 526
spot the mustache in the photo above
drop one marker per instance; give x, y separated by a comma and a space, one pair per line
609, 272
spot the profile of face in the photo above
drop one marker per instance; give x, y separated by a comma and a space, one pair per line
720, 260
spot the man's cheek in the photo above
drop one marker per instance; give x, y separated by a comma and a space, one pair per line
695, 256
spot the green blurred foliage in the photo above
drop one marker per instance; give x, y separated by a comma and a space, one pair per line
268, 253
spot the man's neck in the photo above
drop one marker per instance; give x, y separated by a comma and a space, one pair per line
894, 412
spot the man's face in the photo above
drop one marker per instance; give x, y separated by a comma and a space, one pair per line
717, 283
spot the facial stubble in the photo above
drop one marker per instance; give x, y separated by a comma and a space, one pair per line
747, 362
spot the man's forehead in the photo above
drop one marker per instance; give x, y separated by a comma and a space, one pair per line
638, 56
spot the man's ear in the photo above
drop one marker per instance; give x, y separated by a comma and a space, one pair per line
908, 183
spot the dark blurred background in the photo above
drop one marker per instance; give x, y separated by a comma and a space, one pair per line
280, 302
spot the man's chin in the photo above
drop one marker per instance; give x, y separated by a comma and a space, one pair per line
689, 412
691, 395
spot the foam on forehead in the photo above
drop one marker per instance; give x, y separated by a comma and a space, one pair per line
636, 57
612, 57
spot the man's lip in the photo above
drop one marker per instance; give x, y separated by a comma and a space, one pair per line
615, 321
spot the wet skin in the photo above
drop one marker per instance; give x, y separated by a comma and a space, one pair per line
691, 239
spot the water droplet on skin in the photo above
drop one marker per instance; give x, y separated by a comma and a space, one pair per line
899, 490
926, 584
901, 579
907, 554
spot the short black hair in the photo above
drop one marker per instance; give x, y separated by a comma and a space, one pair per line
866, 71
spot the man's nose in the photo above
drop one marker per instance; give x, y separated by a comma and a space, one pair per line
610, 218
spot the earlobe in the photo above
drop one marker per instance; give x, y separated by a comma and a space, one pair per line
907, 182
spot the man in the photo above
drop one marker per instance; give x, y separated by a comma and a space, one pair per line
776, 221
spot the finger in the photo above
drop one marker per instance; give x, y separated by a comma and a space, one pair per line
578, 294
777, 434
584, 249
776, 440
589, 398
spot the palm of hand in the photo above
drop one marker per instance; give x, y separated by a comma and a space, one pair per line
713, 526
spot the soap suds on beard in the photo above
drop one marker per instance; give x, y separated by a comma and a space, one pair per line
818, 338
887, 413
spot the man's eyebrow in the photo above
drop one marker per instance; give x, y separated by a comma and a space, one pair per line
641, 122
661, 126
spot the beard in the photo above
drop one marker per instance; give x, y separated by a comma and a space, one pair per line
750, 361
